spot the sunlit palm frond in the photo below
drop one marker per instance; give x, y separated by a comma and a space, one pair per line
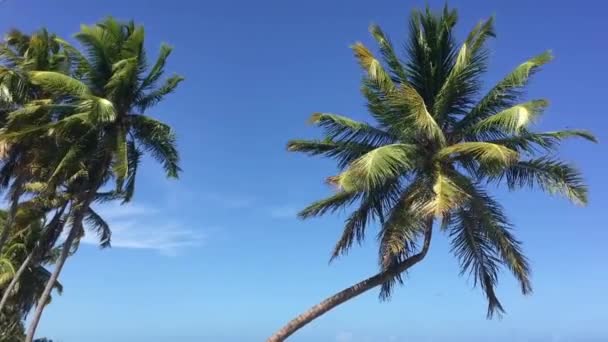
373, 68
511, 120
506, 92
483, 152
388, 52
377, 167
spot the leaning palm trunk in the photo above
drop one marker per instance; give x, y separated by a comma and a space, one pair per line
42, 301
55, 228
9, 289
351, 292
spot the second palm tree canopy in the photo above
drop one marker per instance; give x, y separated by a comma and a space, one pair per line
436, 144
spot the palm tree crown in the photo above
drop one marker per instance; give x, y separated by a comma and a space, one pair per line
437, 142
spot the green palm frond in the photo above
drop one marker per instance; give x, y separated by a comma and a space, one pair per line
124, 74
100, 226
373, 68
462, 83
121, 159
372, 207
134, 156
97, 108
388, 52
476, 254
417, 114
512, 120
506, 92
483, 152
59, 84
448, 195
158, 139
344, 152
155, 96
344, 129
158, 68
338, 201
550, 175
7, 270
378, 167
532, 143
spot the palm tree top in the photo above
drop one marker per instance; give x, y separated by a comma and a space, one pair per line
437, 140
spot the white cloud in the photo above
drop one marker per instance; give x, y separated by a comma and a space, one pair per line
141, 227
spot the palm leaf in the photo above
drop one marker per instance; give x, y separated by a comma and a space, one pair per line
552, 176
100, 226
373, 68
512, 120
506, 92
377, 167
158, 139
344, 152
344, 129
59, 84
483, 152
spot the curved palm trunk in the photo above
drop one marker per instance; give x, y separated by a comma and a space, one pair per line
65, 251
7, 291
28, 260
351, 292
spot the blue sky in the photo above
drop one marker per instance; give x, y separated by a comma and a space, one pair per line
219, 255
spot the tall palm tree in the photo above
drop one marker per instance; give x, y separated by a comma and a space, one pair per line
426, 162
96, 114
19, 55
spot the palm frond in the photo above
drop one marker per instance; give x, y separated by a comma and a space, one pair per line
155, 96
506, 92
462, 83
134, 156
476, 254
100, 226
344, 129
59, 84
388, 52
373, 68
378, 167
121, 159
550, 175
448, 195
531, 142
331, 204
417, 114
158, 139
512, 120
344, 152
158, 68
482, 152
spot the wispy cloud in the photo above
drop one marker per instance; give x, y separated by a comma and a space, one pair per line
142, 227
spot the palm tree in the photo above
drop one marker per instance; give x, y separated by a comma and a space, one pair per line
24, 296
436, 145
19, 55
95, 113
